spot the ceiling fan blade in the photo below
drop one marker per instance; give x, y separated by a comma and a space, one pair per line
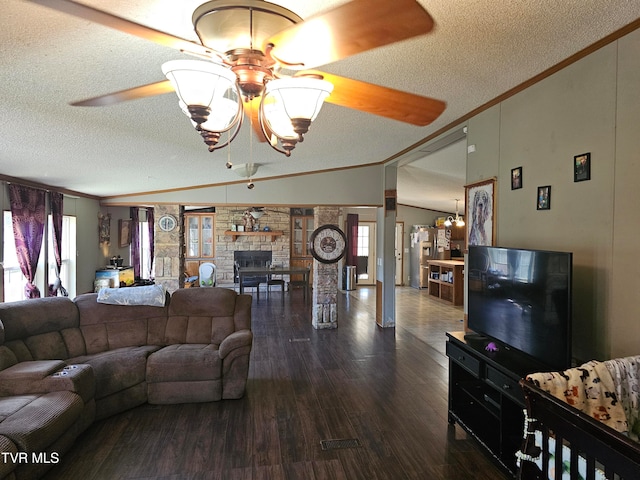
158, 88
252, 111
352, 28
107, 19
383, 101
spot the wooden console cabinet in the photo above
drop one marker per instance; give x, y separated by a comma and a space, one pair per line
446, 280
484, 396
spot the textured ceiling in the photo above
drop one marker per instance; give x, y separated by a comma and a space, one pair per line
478, 50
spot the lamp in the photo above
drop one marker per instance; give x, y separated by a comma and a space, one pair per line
459, 221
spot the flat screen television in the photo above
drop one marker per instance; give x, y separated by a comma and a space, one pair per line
522, 299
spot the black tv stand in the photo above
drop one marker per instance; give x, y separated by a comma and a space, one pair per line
484, 396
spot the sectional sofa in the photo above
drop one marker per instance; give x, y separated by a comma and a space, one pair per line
66, 363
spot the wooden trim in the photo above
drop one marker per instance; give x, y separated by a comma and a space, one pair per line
43, 186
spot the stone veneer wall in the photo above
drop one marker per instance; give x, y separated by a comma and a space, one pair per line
275, 219
325, 278
168, 256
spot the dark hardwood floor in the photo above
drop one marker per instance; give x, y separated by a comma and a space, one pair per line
382, 393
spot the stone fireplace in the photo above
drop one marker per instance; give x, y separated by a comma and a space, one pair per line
251, 258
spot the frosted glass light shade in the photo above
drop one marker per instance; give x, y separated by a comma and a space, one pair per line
199, 83
300, 97
288, 101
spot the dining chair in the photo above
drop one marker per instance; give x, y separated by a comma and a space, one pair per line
275, 279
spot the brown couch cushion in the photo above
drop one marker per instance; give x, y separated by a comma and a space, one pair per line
47, 346
184, 363
7, 466
7, 357
118, 369
33, 422
201, 315
108, 327
27, 318
18, 378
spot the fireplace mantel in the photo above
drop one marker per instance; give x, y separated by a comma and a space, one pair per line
271, 233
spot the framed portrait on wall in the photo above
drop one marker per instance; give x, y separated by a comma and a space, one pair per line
480, 212
124, 233
543, 198
516, 178
582, 167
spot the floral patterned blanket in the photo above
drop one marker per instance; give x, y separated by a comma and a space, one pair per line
590, 388
626, 378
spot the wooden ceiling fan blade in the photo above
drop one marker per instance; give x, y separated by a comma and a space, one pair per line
150, 90
383, 101
118, 23
252, 112
349, 29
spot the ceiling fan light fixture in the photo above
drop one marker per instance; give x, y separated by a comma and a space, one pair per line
227, 26
297, 99
219, 120
204, 87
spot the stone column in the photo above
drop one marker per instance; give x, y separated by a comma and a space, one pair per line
325, 278
167, 249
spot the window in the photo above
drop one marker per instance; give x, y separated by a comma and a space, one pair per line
146, 262
14, 280
363, 240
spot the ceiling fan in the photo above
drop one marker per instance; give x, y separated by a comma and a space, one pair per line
247, 45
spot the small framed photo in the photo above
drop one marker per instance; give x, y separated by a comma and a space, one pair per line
582, 167
543, 201
124, 233
516, 178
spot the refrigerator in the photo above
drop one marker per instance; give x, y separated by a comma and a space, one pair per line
422, 247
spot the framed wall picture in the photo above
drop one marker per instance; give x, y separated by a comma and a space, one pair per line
582, 167
516, 178
124, 233
104, 227
543, 200
480, 212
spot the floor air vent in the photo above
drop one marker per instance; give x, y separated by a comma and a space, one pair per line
342, 443
296, 340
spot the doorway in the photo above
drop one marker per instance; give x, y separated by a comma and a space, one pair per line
366, 263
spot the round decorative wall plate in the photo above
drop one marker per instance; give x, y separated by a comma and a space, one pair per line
167, 223
328, 244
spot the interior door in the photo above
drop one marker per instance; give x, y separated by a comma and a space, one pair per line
399, 250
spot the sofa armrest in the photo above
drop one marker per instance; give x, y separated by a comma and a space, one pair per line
240, 338
46, 376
